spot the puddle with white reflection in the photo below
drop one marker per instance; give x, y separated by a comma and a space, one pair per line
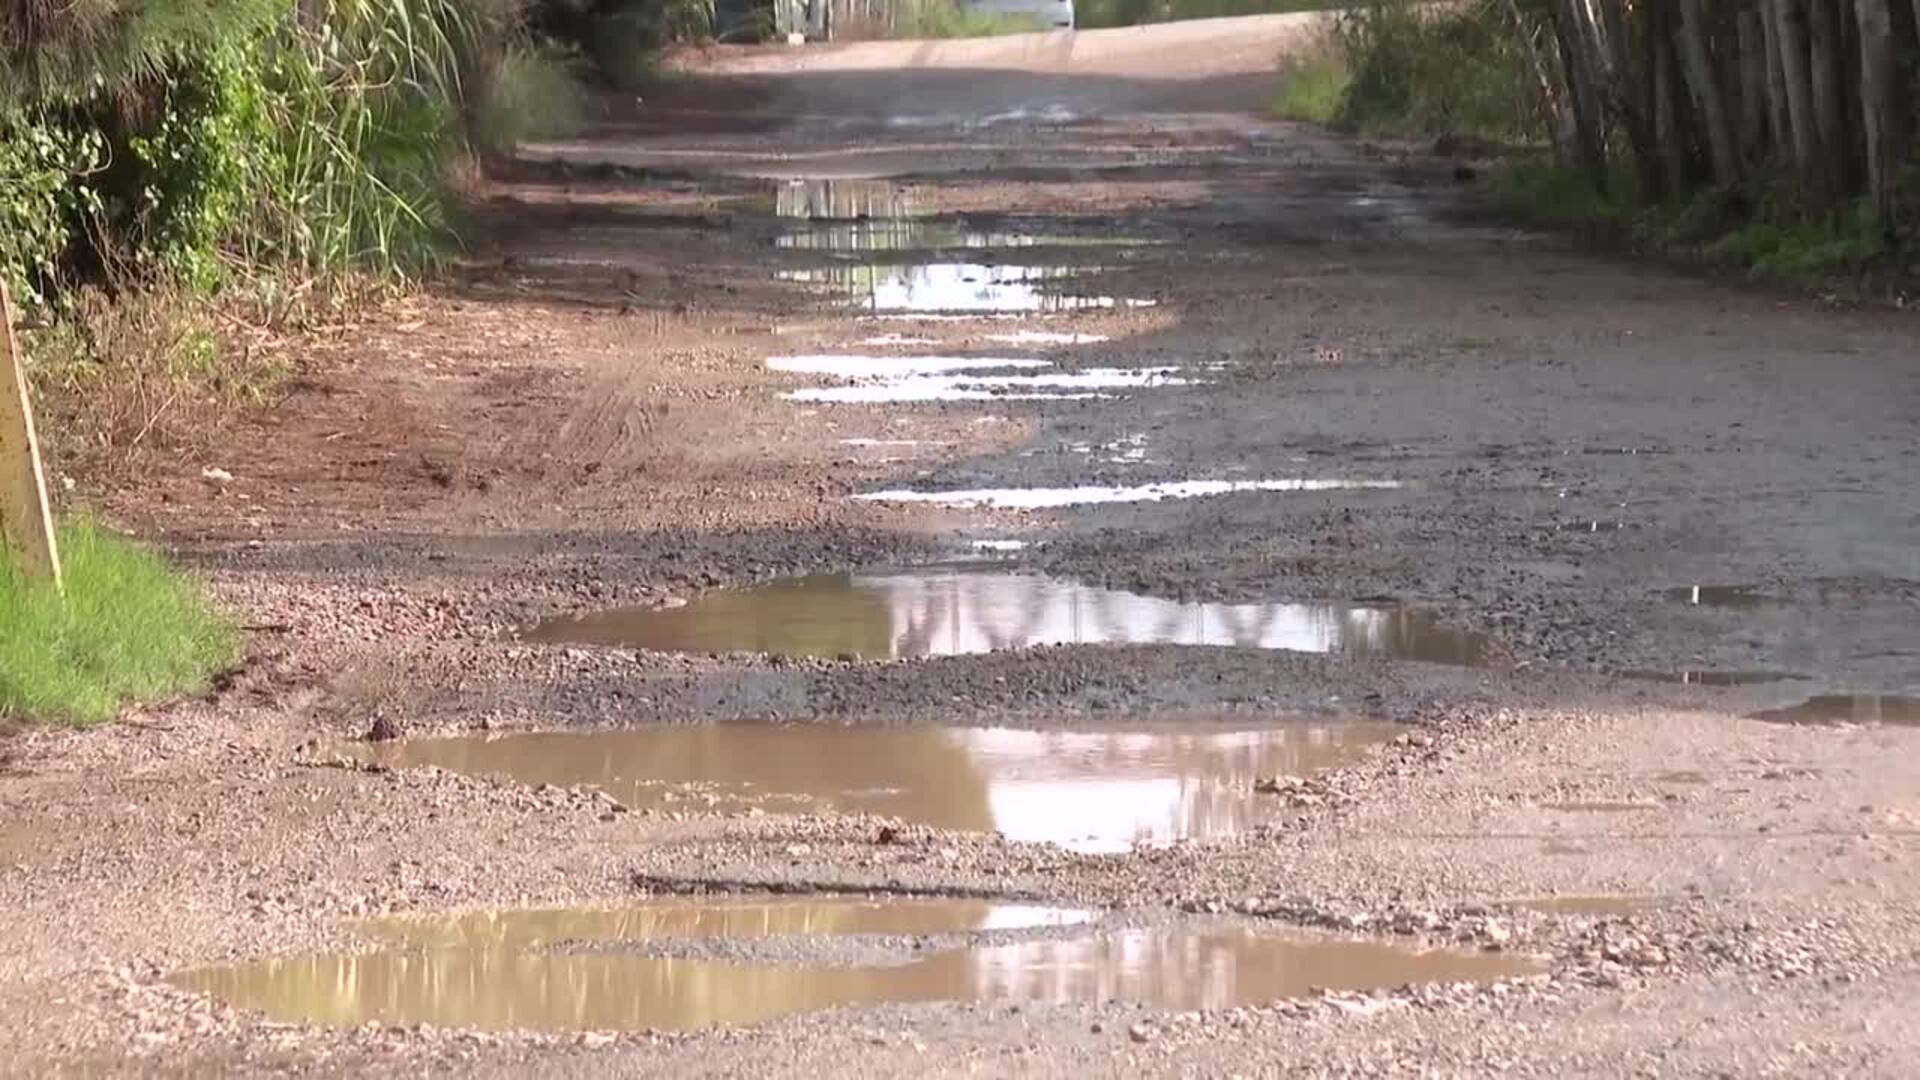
1057, 386
886, 367
1046, 337
908, 234
488, 983
956, 287
1050, 498
1090, 791
997, 545
893, 340
897, 379
844, 200
949, 612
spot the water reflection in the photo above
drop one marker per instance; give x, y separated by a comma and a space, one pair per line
1099, 791
954, 612
703, 918
1863, 709
955, 287
843, 200
498, 988
903, 234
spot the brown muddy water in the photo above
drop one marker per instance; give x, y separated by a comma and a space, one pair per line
571, 971
951, 612
1834, 709
1089, 791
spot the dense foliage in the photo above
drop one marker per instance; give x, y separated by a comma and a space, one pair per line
1776, 134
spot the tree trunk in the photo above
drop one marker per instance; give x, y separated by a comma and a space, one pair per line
1633, 99
1707, 95
1795, 65
1777, 113
1667, 117
1575, 37
1550, 103
1884, 122
1754, 101
1824, 58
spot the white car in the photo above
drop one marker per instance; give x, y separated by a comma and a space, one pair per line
1052, 14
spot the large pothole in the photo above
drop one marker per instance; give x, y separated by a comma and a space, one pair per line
1092, 791
544, 970
951, 612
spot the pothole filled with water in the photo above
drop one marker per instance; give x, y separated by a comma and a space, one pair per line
1717, 596
895, 379
950, 612
1050, 498
1089, 791
923, 234
844, 200
1712, 678
957, 287
1866, 710
498, 971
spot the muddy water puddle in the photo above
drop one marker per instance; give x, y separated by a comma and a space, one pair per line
845, 200
1089, 791
497, 972
899, 379
1866, 710
924, 234
1712, 678
958, 287
951, 612
1718, 596
1051, 498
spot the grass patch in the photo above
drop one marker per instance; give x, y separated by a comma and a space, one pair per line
1762, 238
129, 628
1313, 86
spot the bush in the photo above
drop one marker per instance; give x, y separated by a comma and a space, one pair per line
533, 95
1313, 85
128, 628
1421, 70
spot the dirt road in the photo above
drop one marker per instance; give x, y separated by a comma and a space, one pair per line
1264, 431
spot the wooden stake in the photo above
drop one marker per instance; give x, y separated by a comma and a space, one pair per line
26, 521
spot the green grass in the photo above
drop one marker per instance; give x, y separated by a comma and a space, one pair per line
129, 628
1313, 88
1713, 228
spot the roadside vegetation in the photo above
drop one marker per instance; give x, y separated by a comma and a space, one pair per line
128, 627
185, 185
1092, 14
1773, 136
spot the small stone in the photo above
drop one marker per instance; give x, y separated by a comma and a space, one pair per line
1141, 1032
384, 729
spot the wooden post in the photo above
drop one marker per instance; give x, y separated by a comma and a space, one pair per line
26, 522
